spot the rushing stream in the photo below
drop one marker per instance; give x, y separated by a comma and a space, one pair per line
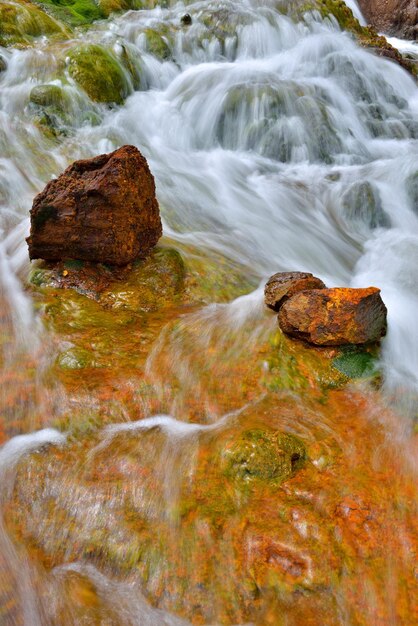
275, 145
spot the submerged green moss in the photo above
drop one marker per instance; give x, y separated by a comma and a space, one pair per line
263, 455
99, 74
354, 363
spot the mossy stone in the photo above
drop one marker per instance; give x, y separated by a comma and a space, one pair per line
263, 455
99, 74
47, 95
132, 62
157, 45
20, 22
74, 12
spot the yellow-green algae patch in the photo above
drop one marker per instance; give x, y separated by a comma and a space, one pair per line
21, 22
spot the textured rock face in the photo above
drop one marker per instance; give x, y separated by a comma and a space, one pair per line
283, 285
394, 17
332, 317
102, 209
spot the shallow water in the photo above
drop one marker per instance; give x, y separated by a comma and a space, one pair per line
275, 145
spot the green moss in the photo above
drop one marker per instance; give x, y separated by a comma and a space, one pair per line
47, 95
294, 366
99, 74
74, 12
263, 455
157, 45
132, 62
21, 22
76, 358
355, 364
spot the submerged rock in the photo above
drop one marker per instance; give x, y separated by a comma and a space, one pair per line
264, 455
283, 285
102, 209
332, 317
362, 205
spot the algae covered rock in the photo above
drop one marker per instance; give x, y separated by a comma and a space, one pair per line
261, 454
98, 72
332, 317
157, 45
47, 95
102, 209
20, 22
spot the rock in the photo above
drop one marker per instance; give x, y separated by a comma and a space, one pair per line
394, 17
283, 285
362, 206
3, 64
21, 22
186, 20
156, 45
46, 95
99, 74
102, 209
332, 317
264, 455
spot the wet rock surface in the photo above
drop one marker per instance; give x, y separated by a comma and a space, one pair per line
332, 317
283, 285
102, 209
394, 17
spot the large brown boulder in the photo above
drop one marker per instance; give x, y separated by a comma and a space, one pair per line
393, 17
333, 317
283, 285
102, 209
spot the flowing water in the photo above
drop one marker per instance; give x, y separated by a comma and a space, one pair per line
276, 145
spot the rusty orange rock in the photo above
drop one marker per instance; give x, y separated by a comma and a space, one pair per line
283, 285
102, 209
332, 317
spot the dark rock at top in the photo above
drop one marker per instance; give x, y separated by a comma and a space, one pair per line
186, 19
102, 210
283, 285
